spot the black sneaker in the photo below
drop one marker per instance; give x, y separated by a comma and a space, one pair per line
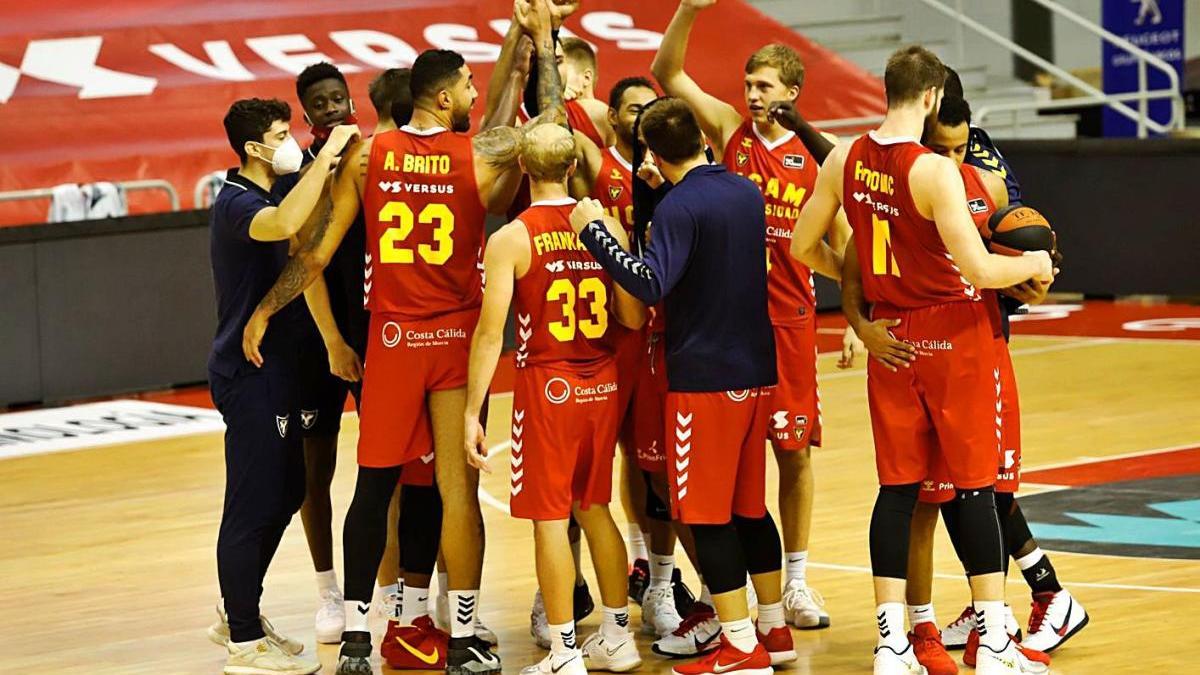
683, 594
471, 656
355, 656
584, 605
639, 579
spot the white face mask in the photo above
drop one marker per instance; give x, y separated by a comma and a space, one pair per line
287, 158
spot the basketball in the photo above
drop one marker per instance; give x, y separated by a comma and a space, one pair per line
1016, 229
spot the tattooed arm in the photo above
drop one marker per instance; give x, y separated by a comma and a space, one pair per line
535, 18
302, 268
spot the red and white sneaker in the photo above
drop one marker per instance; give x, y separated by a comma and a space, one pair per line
1014, 655
931, 653
728, 660
779, 645
955, 635
696, 635
1054, 619
421, 646
890, 662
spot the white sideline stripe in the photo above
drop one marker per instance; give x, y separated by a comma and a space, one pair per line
1080, 584
485, 496
1084, 459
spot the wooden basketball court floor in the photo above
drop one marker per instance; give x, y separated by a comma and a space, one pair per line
107, 561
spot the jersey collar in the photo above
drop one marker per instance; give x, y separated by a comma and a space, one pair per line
612, 149
407, 128
894, 140
771, 145
563, 201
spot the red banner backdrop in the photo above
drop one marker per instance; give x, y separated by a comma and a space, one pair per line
136, 89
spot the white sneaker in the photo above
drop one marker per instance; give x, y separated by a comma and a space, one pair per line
539, 625
569, 663
696, 635
888, 662
218, 633
1054, 619
266, 657
659, 616
615, 656
803, 607
1008, 661
1011, 625
441, 617
954, 636
331, 617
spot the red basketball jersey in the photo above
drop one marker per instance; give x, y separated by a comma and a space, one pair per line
982, 206
563, 303
424, 224
786, 173
904, 262
614, 187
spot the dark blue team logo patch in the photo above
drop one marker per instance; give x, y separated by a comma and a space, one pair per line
793, 161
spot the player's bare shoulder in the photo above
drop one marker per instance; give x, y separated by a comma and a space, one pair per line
509, 245
498, 147
996, 187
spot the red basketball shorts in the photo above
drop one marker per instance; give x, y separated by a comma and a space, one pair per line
564, 435
946, 404
642, 429
796, 419
716, 462
405, 361
937, 488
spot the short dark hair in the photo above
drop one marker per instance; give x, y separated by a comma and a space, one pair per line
671, 130
390, 88
250, 118
912, 71
434, 69
624, 85
316, 73
954, 111
953, 84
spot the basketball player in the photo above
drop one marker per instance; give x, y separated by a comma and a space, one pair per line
986, 193
424, 293
252, 224
607, 176
778, 162
707, 259
565, 408
923, 263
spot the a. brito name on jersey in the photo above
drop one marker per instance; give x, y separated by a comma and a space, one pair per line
782, 201
437, 165
398, 187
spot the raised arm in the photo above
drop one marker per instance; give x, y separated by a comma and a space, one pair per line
286, 220
588, 158
717, 118
536, 20
500, 261
314, 255
939, 194
816, 218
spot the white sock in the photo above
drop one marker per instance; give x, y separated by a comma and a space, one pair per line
562, 637
797, 562
385, 591
414, 604
889, 617
327, 581
239, 646
661, 568
705, 595
637, 544
770, 616
1029, 560
462, 612
740, 634
989, 619
615, 624
356, 619
921, 614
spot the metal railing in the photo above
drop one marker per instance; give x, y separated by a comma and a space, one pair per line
1094, 96
127, 185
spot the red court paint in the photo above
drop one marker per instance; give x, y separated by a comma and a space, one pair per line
1178, 462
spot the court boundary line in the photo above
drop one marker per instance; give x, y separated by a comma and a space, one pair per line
1080, 584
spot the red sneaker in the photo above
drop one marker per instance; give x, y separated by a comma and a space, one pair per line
778, 643
420, 646
926, 640
727, 660
1032, 655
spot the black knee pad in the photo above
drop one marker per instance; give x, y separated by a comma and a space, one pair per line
760, 543
891, 523
656, 508
365, 533
979, 533
420, 528
720, 555
950, 518
1016, 529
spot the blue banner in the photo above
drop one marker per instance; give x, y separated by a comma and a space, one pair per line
1157, 27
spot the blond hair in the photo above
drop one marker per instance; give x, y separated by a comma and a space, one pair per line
547, 152
782, 58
